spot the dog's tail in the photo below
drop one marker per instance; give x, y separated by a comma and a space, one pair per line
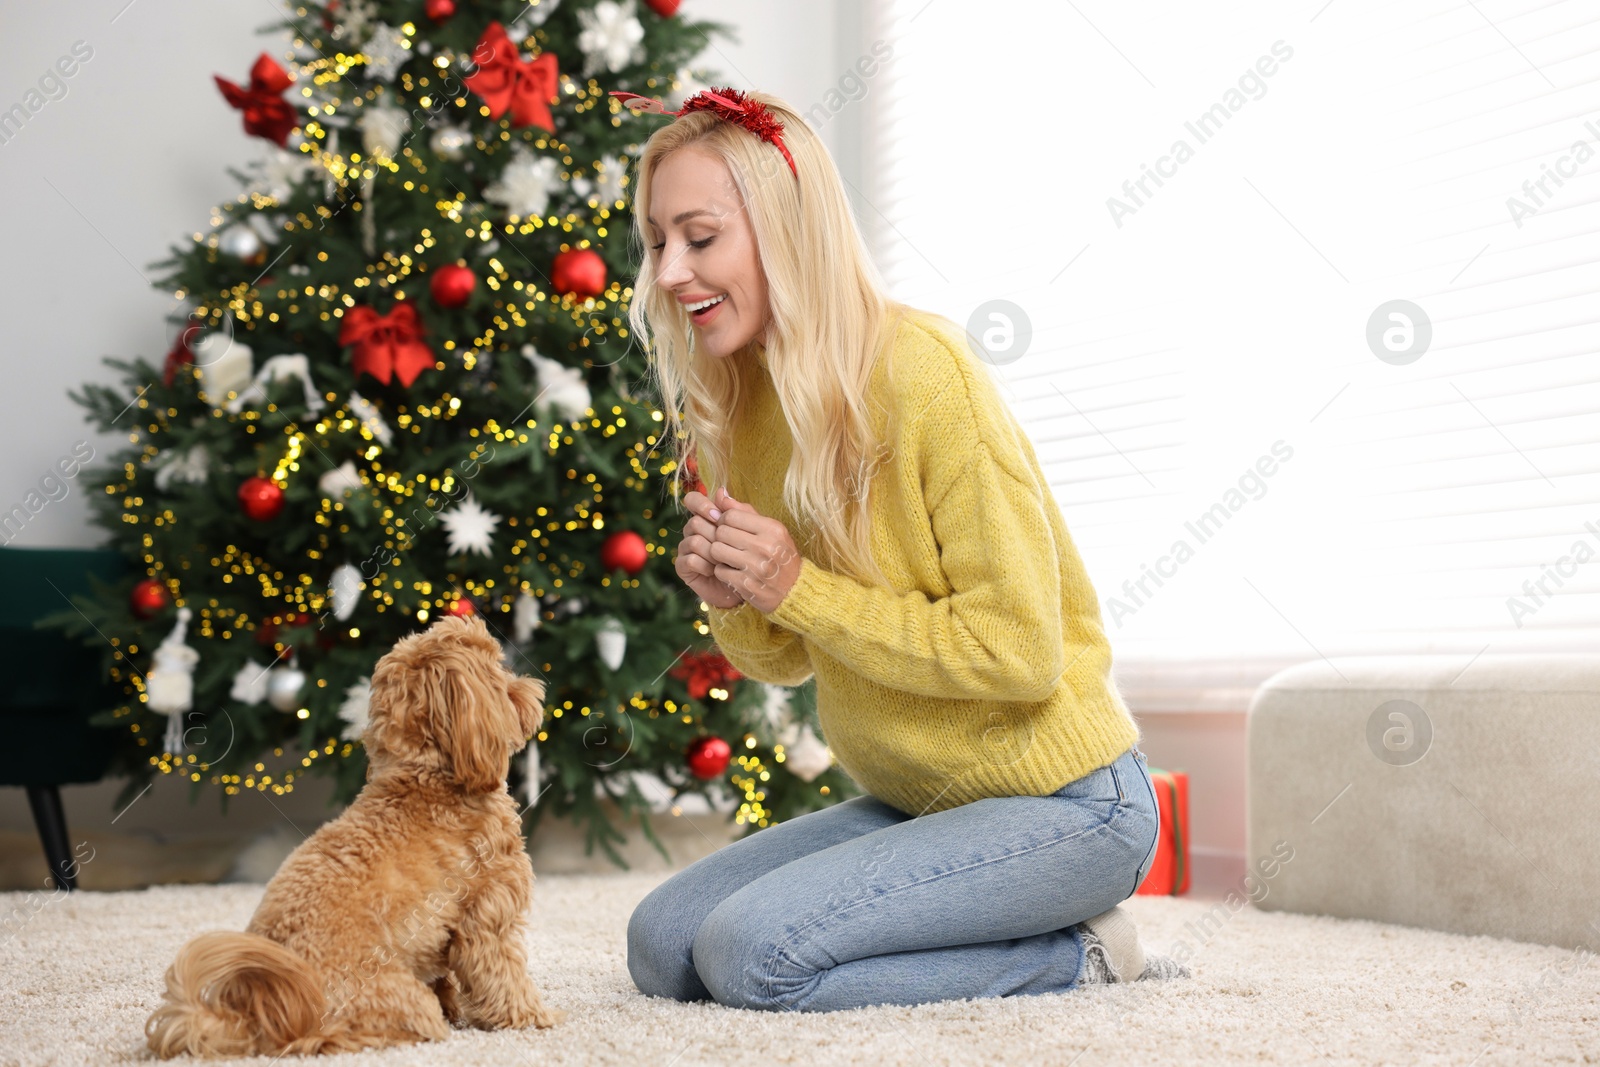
235, 994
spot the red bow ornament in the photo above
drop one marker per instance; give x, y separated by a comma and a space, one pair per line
386, 345
266, 113
705, 671
505, 81
181, 353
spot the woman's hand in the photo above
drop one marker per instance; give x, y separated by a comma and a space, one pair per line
753, 554
694, 563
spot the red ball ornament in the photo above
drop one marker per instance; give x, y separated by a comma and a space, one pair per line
665, 8
440, 10
624, 549
261, 498
451, 285
148, 597
462, 607
579, 271
708, 756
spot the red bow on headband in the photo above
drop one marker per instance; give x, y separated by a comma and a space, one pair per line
386, 344
730, 105
505, 81
266, 113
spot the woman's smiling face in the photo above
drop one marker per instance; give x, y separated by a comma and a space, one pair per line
705, 248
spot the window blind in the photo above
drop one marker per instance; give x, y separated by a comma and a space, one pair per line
1313, 303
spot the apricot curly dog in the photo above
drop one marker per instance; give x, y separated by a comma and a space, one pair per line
407, 912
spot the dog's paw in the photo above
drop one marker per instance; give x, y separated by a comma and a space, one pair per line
523, 1013
537, 1016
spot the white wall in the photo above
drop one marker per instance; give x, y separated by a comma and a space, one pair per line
100, 182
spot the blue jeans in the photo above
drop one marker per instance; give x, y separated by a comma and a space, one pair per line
861, 903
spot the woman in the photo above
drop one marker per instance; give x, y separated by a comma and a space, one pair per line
879, 520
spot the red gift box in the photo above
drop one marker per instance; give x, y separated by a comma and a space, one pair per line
1169, 870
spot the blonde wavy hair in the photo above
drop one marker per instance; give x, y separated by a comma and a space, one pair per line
831, 320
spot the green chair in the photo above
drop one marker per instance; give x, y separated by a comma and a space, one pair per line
53, 683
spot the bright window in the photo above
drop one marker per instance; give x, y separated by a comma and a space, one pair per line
1202, 214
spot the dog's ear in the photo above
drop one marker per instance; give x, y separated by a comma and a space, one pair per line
471, 725
527, 696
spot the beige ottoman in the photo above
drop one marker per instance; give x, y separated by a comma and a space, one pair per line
1431, 791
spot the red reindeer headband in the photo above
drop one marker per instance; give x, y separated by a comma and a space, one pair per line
730, 105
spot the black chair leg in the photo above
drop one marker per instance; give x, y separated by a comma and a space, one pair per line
45, 800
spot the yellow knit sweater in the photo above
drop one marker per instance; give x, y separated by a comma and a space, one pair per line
988, 673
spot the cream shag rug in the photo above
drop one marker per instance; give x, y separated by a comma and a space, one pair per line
83, 971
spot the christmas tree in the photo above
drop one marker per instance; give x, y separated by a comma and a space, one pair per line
401, 385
